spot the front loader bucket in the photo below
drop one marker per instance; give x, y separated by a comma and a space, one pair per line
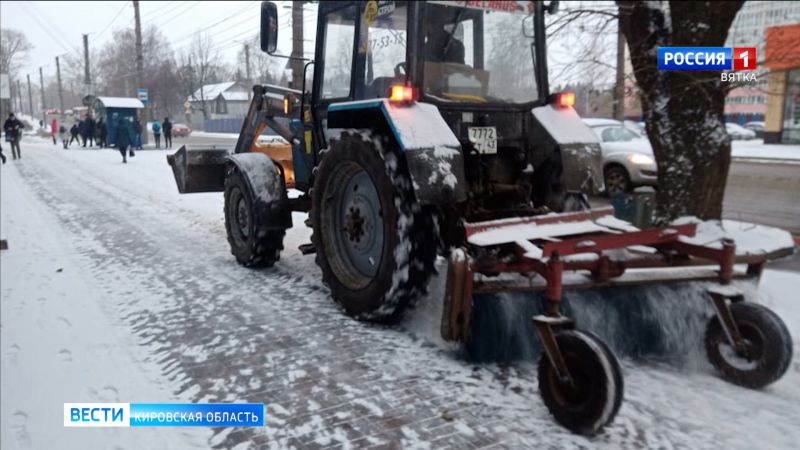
199, 169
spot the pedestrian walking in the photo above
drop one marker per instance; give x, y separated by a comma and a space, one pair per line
13, 128
157, 133
166, 125
75, 132
124, 138
82, 132
102, 133
91, 125
63, 135
2, 156
53, 130
137, 134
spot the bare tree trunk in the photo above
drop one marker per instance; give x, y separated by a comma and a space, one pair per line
683, 109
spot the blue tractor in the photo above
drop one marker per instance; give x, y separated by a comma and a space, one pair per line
424, 123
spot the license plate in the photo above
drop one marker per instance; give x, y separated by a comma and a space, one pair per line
484, 139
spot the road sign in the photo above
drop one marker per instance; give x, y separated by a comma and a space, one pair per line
141, 94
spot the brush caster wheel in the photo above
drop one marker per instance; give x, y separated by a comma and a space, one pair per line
593, 398
767, 346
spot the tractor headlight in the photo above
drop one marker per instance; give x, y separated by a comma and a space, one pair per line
640, 159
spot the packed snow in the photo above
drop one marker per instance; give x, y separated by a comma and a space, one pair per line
757, 149
117, 288
564, 125
749, 238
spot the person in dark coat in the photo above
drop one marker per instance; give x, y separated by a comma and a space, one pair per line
166, 125
124, 138
13, 128
90, 129
102, 132
82, 132
2, 156
137, 134
75, 133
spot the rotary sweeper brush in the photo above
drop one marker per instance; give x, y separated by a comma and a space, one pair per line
427, 129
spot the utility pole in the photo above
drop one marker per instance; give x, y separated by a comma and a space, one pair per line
188, 110
247, 69
19, 97
87, 80
297, 45
140, 65
60, 91
30, 96
619, 88
41, 83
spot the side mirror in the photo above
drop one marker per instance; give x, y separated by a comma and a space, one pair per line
269, 27
552, 8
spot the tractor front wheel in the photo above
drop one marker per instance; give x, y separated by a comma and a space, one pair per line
767, 348
251, 243
591, 398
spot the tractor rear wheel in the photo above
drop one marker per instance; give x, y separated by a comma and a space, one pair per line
593, 398
251, 243
768, 346
375, 246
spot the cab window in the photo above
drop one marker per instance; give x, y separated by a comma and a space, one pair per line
339, 40
383, 45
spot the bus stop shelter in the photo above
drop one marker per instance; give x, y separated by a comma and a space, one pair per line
111, 109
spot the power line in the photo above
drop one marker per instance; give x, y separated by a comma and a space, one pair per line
217, 23
150, 14
124, 5
176, 12
43, 26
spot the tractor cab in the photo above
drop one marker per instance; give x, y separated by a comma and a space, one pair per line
480, 67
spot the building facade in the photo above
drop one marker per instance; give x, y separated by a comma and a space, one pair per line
749, 103
216, 105
782, 58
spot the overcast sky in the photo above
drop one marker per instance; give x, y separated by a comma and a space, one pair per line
56, 27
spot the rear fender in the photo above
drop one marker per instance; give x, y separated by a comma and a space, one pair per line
267, 186
580, 154
431, 150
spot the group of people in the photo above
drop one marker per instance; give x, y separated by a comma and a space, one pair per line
86, 131
129, 137
128, 134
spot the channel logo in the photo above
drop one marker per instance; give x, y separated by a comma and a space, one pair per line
163, 414
706, 58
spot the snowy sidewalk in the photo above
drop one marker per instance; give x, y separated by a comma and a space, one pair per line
756, 149
61, 339
156, 309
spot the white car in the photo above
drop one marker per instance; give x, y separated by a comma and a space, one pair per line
738, 132
756, 127
628, 159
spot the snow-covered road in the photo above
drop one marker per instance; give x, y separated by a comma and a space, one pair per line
116, 288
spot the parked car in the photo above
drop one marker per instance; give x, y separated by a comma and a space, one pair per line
756, 127
737, 132
628, 159
181, 130
638, 127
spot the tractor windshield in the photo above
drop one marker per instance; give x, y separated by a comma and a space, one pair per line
478, 52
